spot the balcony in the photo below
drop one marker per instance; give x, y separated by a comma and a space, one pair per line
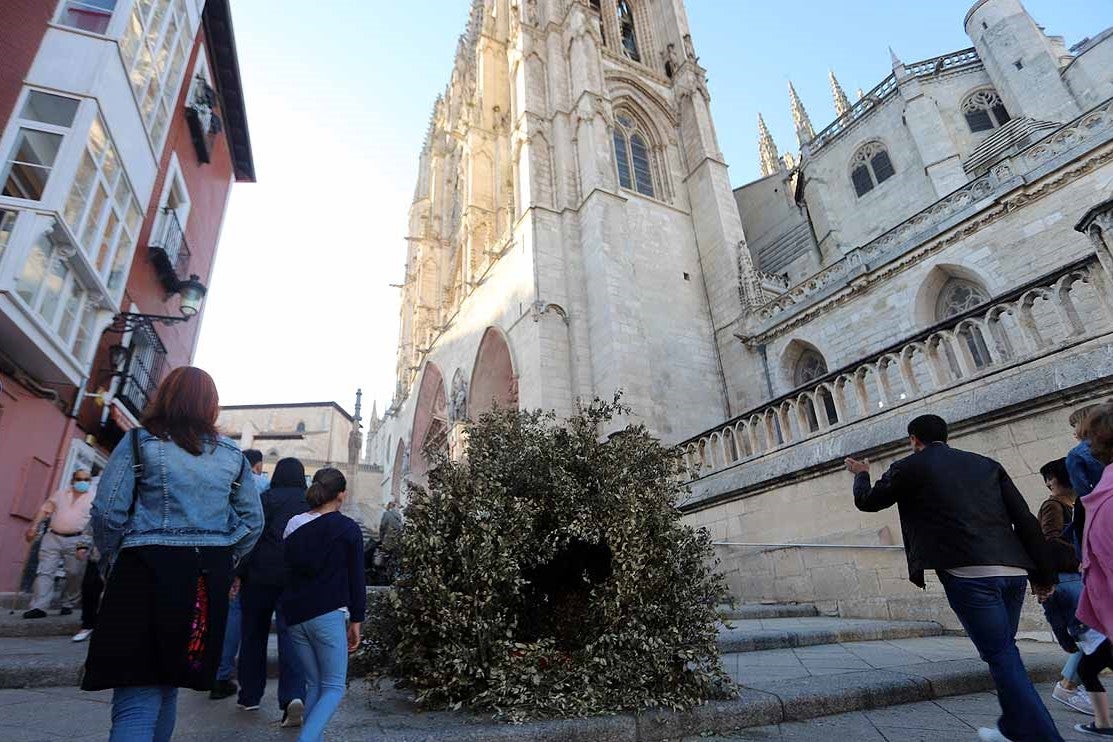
169, 251
204, 123
141, 370
1004, 352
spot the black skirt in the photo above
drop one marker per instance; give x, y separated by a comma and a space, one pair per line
161, 619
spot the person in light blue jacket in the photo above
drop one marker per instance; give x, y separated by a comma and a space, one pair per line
175, 511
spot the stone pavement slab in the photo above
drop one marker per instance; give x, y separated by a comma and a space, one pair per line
767, 610
13, 624
942, 720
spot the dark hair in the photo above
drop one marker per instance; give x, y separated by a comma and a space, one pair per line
1056, 470
929, 429
184, 409
288, 472
1098, 430
1079, 416
253, 456
327, 485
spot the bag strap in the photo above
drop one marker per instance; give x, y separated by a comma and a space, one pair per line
136, 468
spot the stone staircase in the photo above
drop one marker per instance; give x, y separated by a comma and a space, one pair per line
791, 664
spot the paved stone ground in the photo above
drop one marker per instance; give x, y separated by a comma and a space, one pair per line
942, 720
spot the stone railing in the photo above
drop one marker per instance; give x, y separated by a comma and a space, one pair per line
1062, 308
1090, 127
925, 68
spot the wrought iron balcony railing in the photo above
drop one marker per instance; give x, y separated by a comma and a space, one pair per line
142, 369
169, 251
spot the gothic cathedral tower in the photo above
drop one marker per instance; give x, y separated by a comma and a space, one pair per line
573, 227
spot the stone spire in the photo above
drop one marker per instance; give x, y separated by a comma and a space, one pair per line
804, 131
899, 70
842, 105
767, 149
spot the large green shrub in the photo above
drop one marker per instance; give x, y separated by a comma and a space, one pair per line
466, 628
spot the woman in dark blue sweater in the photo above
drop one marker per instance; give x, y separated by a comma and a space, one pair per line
323, 550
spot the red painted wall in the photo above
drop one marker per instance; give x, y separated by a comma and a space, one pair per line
22, 27
35, 438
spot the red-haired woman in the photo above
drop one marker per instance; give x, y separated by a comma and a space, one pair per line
171, 525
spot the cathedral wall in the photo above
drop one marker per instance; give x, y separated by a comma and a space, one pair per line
1021, 245
1090, 75
859, 219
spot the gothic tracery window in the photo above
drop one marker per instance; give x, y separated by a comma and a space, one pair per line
870, 167
633, 156
627, 31
809, 367
984, 110
957, 297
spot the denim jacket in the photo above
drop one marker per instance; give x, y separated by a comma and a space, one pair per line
181, 499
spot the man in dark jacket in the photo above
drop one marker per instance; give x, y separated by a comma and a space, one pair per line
263, 575
962, 516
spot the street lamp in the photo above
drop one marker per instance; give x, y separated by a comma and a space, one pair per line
191, 294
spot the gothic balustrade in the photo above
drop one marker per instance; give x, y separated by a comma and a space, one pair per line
1060, 309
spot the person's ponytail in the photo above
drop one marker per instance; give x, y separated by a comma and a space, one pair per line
327, 485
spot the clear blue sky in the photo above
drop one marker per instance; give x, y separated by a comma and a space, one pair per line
338, 103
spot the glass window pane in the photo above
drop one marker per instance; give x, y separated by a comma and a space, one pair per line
882, 166
1001, 114
34, 270
979, 120
133, 35
154, 25
862, 182
121, 261
70, 309
92, 221
29, 167
141, 72
88, 15
37, 147
642, 174
81, 342
98, 139
7, 224
104, 252
79, 193
110, 167
52, 288
623, 161
49, 109
134, 218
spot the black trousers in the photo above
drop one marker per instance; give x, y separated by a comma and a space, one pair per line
1092, 664
91, 588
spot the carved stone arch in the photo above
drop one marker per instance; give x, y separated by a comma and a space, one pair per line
493, 377
623, 88
800, 363
925, 304
430, 425
636, 136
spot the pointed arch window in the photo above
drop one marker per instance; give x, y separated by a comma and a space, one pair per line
959, 296
633, 156
984, 110
870, 167
597, 6
627, 31
809, 366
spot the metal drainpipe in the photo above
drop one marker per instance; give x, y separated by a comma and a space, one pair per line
765, 367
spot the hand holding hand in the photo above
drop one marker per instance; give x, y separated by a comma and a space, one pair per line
353, 636
857, 466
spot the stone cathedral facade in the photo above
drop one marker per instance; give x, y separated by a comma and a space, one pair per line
944, 244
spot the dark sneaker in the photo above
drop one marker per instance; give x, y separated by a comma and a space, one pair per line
65, 612
223, 689
1094, 730
294, 713
35, 613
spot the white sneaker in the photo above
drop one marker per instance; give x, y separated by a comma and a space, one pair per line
295, 713
84, 634
992, 735
1077, 699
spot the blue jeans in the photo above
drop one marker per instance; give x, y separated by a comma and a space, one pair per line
231, 641
1059, 610
322, 647
143, 713
989, 610
258, 606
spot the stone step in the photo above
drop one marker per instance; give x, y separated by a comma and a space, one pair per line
766, 610
13, 624
41, 662
753, 635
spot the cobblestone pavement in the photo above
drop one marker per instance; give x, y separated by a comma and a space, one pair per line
943, 720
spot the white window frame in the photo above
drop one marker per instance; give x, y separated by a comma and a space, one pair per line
61, 171
174, 181
81, 456
168, 86
115, 22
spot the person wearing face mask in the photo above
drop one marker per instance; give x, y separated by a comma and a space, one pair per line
68, 510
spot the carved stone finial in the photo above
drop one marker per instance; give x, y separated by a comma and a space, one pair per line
895, 59
789, 161
804, 131
842, 104
861, 94
767, 149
